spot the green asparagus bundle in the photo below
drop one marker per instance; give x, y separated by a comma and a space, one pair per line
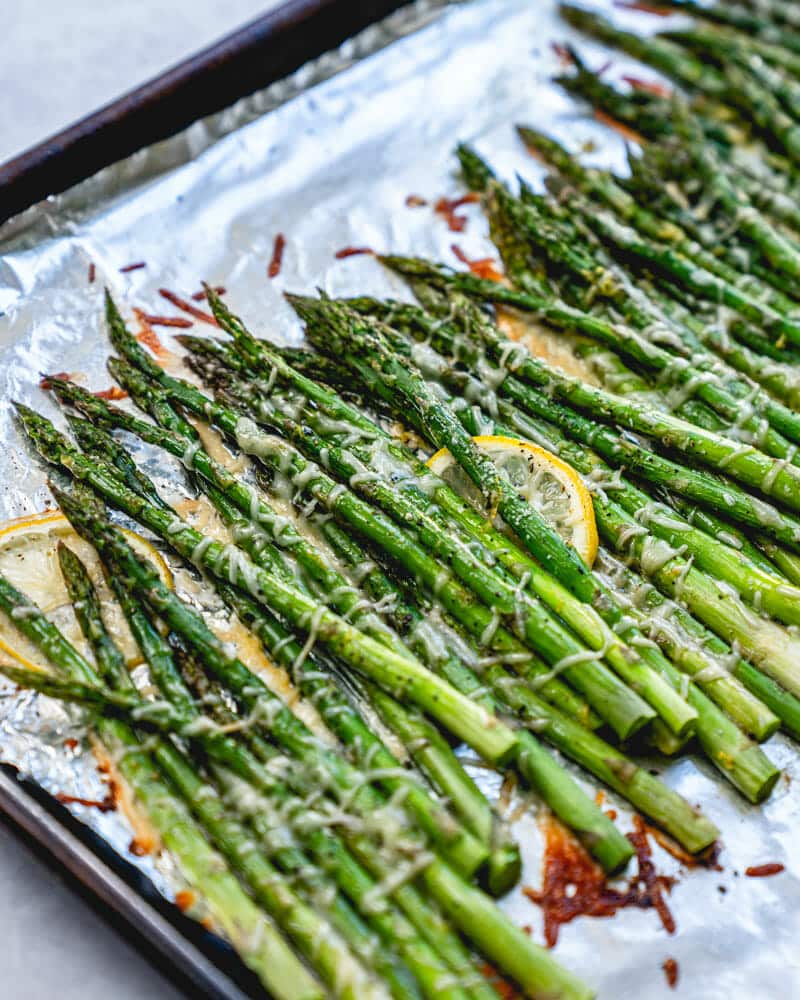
412, 617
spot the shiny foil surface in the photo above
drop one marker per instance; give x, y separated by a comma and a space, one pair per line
329, 159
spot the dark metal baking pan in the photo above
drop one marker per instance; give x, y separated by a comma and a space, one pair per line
256, 55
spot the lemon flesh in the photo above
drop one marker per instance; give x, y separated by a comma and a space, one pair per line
29, 561
548, 484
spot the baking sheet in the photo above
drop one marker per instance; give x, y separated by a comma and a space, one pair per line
331, 166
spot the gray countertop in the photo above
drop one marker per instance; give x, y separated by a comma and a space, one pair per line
61, 61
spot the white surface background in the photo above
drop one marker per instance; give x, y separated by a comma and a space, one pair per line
60, 61
63, 59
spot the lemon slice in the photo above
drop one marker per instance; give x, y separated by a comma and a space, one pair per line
550, 485
29, 560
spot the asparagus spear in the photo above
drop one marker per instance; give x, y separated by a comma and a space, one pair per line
603, 186
425, 962
743, 463
729, 563
401, 675
706, 488
471, 911
786, 673
355, 881
255, 938
560, 793
652, 798
692, 633
533, 766
326, 952
461, 559
701, 376
768, 719
739, 760
248, 687
433, 753
330, 320
645, 115
666, 56
459, 846
502, 684
748, 711
476, 616
427, 946
772, 78
752, 713
622, 708
593, 631
772, 645
581, 460
692, 374
750, 27
762, 641
733, 84
434, 973
498, 493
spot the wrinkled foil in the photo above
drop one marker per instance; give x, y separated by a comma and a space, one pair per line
328, 158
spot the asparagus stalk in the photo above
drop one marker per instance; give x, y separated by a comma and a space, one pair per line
763, 642
748, 710
719, 38
476, 916
429, 921
753, 713
517, 562
337, 773
769, 650
736, 15
777, 658
501, 682
534, 767
255, 938
646, 793
352, 877
700, 377
559, 791
433, 753
401, 675
744, 463
693, 634
325, 319
734, 85
767, 64
738, 759
476, 616
460, 847
603, 186
433, 927
325, 952
461, 558
622, 708
666, 56
711, 490
743, 706
426, 945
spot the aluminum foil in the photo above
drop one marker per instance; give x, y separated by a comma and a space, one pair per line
328, 158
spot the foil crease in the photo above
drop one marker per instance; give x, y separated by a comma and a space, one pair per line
328, 158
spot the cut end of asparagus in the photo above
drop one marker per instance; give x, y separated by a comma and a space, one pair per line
503, 869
